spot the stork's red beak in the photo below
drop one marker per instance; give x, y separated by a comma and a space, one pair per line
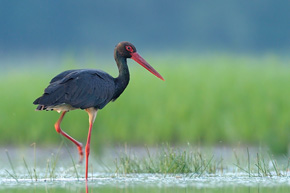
142, 62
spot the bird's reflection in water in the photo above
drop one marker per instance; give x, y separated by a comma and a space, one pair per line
87, 187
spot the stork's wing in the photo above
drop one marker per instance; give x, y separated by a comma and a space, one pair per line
80, 89
62, 75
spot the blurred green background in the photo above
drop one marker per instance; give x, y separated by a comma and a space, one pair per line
226, 67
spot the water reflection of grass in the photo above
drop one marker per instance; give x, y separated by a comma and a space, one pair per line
202, 101
77, 188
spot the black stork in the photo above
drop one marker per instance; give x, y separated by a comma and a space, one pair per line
90, 90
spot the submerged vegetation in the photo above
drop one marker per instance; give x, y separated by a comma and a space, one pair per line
219, 100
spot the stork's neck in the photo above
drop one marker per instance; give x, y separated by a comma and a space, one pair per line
123, 79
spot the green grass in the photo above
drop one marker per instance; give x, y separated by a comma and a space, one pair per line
263, 165
167, 160
209, 101
194, 163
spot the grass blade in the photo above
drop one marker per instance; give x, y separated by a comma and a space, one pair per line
12, 167
27, 168
73, 162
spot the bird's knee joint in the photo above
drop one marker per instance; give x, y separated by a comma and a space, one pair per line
87, 150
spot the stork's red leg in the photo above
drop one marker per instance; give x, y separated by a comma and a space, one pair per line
78, 144
92, 115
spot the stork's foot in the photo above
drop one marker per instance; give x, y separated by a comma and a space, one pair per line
81, 154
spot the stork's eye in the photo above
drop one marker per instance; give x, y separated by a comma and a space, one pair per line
129, 48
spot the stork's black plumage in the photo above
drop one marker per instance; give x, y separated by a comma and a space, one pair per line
82, 89
90, 90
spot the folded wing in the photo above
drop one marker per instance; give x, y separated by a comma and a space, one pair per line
80, 89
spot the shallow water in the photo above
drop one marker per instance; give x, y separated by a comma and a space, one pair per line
65, 179
104, 182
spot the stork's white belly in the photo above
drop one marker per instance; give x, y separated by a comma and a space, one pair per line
61, 107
